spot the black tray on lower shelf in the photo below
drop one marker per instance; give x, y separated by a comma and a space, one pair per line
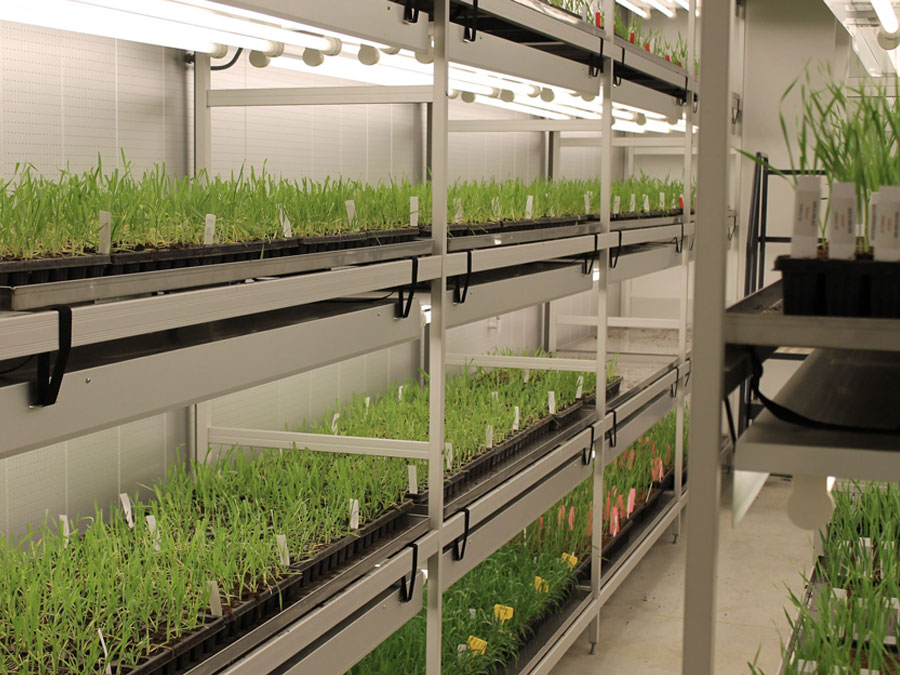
301, 580
825, 287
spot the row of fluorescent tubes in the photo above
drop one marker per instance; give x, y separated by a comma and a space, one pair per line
211, 27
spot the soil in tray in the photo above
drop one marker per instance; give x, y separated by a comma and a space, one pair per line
259, 606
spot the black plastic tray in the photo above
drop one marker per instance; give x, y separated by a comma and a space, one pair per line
239, 619
824, 287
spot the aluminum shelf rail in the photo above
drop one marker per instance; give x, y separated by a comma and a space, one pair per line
121, 381
865, 405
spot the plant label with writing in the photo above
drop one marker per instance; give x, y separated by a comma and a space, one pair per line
489, 436
633, 203
529, 207
209, 230
105, 233
887, 225
495, 207
476, 645
126, 507
458, 213
286, 228
400, 393
526, 375
551, 402
462, 651
354, 514
842, 224
413, 211
570, 559
646, 203
587, 203
64, 528
154, 532
215, 599
448, 454
284, 556
472, 613
350, 206
579, 387
368, 401
662, 201
334, 421
413, 479
805, 234
495, 396
515, 419
617, 204
107, 669
503, 613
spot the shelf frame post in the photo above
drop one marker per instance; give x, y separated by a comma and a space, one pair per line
698, 654
202, 114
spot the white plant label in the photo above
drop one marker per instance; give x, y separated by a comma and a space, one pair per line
617, 204
633, 204
413, 479
529, 207
527, 373
842, 225
154, 532
400, 393
887, 225
448, 454
286, 228
334, 421
646, 202
472, 613
579, 389
105, 232
462, 651
495, 396
283, 555
551, 401
413, 211
215, 600
108, 668
805, 235
516, 419
209, 230
354, 514
489, 436
350, 205
495, 206
458, 214
587, 202
126, 507
662, 201
64, 527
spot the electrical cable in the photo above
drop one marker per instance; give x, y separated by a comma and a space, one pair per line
24, 363
226, 66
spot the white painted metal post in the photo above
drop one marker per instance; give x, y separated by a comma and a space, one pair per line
603, 264
685, 270
202, 419
698, 657
437, 332
202, 116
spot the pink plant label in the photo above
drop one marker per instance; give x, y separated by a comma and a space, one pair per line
614, 522
631, 497
572, 518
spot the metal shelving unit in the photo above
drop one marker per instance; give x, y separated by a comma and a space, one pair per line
171, 331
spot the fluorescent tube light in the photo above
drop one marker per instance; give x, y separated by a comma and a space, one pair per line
886, 15
518, 107
627, 4
683, 4
661, 7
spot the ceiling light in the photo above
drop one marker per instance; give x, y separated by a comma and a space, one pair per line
627, 4
518, 107
886, 15
683, 4
661, 7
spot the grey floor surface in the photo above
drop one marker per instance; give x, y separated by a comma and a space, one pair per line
641, 624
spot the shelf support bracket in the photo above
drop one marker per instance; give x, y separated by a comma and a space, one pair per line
617, 79
614, 257
592, 257
587, 453
410, 13
459, 544
48, 384
403, 308
407, 591
614, 432
461, 289
470, 30
679, 240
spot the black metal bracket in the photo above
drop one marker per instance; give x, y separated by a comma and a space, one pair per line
614, 258
614, 432
589, 450
459, 544
410, 13
588, 265
461, 290
47, 385
730, 417
617, 79
403, 306
679, 240
407, 591
673, 390
595, 64
470, 30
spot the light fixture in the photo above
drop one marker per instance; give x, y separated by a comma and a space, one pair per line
884, 9
888, 41
683, 4
810, 504
627, 4
368, 55
102, 22
641, 120
519, 107
661, 7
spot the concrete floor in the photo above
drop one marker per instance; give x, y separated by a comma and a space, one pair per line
641, 624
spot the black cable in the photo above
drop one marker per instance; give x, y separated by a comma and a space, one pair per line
226, 66
792, 417
16, 367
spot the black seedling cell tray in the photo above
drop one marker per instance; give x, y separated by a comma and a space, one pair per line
46, 270
473, 229
300, 579
824, 287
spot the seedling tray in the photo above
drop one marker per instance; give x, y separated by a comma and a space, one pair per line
301, 580
825, 287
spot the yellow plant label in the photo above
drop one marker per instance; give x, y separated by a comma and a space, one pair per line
503, 612
541, 586
476, 645
571, 559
